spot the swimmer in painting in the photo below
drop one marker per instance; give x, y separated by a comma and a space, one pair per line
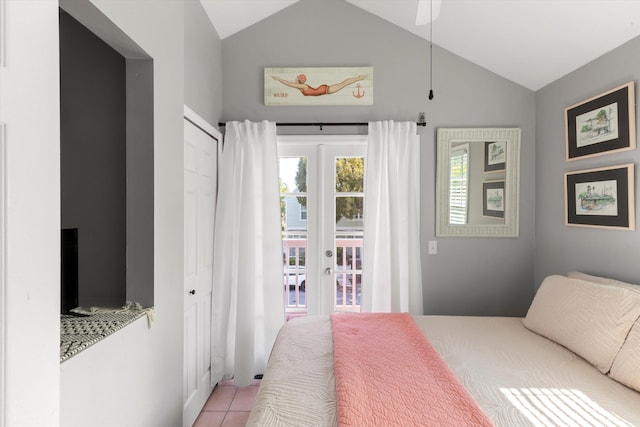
323, 89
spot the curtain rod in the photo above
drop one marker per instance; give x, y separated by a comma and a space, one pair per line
421, 122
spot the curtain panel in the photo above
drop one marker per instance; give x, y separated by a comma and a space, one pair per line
247, 301
392, 277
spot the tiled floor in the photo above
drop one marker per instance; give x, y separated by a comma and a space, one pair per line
228, 405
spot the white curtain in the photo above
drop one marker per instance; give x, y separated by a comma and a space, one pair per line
392, 279
247, 301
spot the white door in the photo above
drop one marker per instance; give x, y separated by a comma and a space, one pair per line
322, 194
200, 189
342, 225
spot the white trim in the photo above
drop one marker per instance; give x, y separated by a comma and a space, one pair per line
200, 122
3, 276
3, 234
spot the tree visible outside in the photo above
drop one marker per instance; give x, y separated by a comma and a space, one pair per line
349, 178
301, 179
283, 204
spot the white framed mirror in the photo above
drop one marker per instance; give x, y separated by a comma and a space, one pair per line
477, 182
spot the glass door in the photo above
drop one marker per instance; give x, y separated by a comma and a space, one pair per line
321, 203
342, 198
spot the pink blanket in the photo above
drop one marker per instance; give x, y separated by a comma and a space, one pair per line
388, 374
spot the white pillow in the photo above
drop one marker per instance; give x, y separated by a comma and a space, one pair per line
602, 280
590, 319
626, 366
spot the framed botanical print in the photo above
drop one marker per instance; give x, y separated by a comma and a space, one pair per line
601, 125
493, 199
495, 155
602, 197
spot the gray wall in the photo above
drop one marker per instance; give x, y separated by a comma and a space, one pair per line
560, 248
202, 64
140, 181
93, 139
483, 276
107, 166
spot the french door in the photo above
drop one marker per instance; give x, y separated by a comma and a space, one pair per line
322, 201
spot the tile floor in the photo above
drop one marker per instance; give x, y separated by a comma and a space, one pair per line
228, 405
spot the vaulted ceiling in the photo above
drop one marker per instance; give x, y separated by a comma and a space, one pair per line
530, 42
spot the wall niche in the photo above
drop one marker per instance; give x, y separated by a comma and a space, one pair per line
106, 170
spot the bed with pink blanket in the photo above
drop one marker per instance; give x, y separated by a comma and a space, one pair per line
574, 360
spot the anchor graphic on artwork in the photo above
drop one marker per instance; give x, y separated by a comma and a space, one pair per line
358, 94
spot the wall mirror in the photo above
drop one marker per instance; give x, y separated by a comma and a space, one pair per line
477, 182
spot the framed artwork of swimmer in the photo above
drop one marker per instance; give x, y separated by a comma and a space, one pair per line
318, 86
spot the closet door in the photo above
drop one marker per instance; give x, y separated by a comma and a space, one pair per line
200, 188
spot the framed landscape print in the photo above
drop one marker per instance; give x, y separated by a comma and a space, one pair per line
495, 155
602, 124
601, 197
493, 199
318, 86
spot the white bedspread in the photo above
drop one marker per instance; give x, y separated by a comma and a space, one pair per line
517, 377
522, 379
299, 387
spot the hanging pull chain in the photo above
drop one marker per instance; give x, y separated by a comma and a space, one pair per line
431, 51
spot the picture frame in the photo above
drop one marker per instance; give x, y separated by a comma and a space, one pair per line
495, 155
601, 125
601, 198
318, 86
493, 201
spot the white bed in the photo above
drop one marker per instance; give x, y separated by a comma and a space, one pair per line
517, 377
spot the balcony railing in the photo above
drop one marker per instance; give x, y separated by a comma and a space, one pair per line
348, 274
294, 274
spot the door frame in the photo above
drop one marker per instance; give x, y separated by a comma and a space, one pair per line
200, 123
3, 274
3, 237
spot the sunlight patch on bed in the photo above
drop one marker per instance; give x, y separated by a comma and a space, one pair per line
560, 407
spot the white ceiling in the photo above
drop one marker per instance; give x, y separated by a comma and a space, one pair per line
531, 42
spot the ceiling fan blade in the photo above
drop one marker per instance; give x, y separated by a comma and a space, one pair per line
423, 15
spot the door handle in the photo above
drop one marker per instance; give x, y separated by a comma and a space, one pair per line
328, 271
192, 291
